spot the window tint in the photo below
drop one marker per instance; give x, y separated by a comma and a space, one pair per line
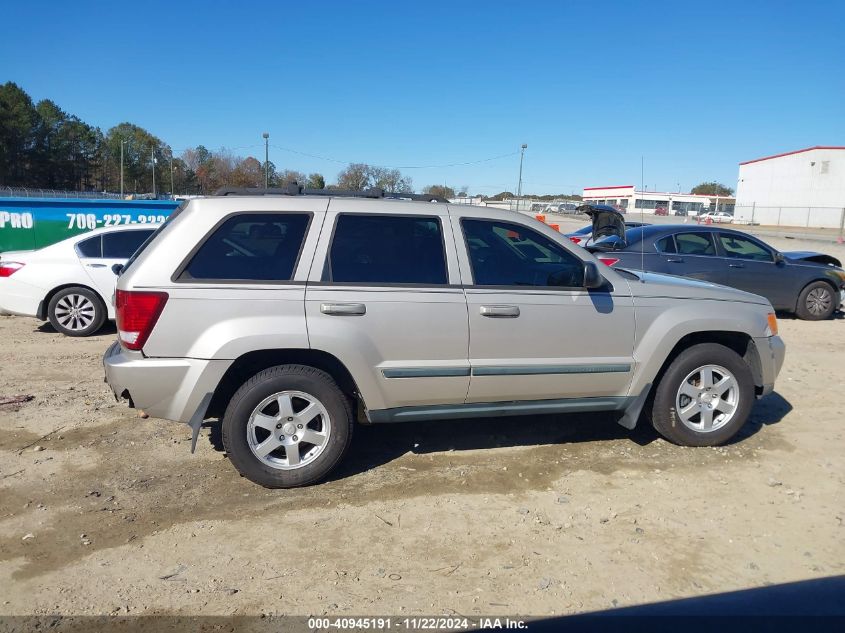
744, 248
251, 246
387, 249
505, 254
92, 247
695, 244
121, 244
665, 245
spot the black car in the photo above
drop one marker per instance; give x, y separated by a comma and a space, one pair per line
806, 283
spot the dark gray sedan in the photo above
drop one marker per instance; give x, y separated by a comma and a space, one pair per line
808, 284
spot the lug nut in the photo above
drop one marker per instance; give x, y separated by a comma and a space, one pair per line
279, 425
299, 426
281, 437
290, 419
295, 438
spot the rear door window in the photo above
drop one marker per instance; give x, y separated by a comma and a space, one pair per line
387, 249
666, 245
250, 247
121, 244
92, 247
695, 244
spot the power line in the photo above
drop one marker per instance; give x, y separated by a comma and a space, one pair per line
346, 162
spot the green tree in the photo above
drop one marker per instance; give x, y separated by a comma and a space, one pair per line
316, 181
18, 119
712, 189
440, 190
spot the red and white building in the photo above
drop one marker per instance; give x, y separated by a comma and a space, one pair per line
628, 198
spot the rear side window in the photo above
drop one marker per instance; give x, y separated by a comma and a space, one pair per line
695, 244
121, 244
251, 247
387, 249
666, 245
92, 247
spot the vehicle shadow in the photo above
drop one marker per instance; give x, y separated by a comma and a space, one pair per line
108, 329
379, 444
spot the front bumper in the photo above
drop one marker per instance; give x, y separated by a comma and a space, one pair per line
772, 352
169, 388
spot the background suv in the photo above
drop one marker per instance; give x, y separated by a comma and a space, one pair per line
287, 314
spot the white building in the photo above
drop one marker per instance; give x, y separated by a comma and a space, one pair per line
628, 198
801, 188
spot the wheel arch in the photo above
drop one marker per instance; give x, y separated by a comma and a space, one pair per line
45, 302
247, 365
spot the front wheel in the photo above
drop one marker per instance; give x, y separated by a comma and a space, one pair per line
287, 426
817, 302
76, 311
704, 397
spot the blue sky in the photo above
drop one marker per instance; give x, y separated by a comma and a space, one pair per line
694, 88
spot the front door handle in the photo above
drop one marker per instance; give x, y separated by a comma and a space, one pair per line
500, 312
736, 265
96, 265
675, 260
343, 309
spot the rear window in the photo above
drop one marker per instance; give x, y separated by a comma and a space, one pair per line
387, 249
251, 247
121, 244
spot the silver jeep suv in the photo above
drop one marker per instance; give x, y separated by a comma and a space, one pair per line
291, 316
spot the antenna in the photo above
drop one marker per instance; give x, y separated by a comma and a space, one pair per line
642, 218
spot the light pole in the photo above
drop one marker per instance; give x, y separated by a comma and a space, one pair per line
153, 159
519, 186
122, 143
266, 160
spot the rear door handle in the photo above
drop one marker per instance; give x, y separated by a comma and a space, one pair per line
736, 265
96, 265
675, 260
343, 309
500, 312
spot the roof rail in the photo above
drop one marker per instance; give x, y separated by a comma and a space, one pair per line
294, 189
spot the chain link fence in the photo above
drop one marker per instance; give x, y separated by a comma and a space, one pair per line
798, 217
25, 192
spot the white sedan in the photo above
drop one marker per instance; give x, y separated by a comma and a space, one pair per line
717, 217
71, 283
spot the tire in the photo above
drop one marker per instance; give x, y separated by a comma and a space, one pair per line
255, 422
818, 301
76, 311
683, 404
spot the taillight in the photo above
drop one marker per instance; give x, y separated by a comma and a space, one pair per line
576, 240
7, 269
136, 314
608, 261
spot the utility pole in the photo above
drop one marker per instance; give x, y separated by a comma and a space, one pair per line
122, 143
519, 186
266, 160
172, 188
153, 158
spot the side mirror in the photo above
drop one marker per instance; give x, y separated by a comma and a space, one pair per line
117, 269
779, 258
592, 276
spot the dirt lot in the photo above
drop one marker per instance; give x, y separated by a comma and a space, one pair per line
102, 512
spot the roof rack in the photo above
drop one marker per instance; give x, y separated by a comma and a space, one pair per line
294, 189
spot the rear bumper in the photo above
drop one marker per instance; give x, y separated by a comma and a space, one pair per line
772, 352
19, 298
169, 388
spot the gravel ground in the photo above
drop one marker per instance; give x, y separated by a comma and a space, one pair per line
102, 512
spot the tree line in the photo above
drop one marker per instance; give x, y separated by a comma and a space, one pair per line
44, 147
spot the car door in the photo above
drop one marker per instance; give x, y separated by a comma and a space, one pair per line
535, 332
694, 255
114, 248
750, 265
384, 297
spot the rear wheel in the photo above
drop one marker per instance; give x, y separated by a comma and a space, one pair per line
817, 302
287, 426
76, 311
704, 397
